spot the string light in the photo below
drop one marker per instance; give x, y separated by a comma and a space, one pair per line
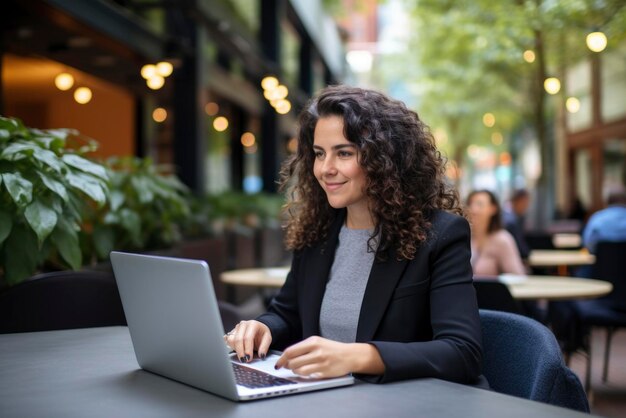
83, 95
552, 85
529, 56
64, 81
596, 41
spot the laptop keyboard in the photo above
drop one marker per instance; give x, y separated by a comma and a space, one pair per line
254, 379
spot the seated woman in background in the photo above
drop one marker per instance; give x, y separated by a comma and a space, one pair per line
493, 248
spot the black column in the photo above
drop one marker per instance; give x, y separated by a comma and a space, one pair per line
188, 143
271, 12
306, 67
239, 123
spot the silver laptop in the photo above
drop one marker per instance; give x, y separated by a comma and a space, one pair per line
176, 330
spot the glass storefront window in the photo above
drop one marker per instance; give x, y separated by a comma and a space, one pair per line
249, 12
614, 174
583, 177
290, 54
613, 82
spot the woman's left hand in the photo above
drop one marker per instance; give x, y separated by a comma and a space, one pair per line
317, 357
322, 358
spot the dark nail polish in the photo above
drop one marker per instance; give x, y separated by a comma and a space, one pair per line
247, 358
262, 355
242, 359
276, 367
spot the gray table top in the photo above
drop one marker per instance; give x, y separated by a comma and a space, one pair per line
93, 373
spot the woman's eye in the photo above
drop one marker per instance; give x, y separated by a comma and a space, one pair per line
344, 154
319, 154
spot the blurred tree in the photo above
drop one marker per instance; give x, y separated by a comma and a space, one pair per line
465, 58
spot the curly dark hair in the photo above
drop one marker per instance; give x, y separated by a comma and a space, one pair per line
405, 172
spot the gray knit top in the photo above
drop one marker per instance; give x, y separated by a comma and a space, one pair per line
341, 306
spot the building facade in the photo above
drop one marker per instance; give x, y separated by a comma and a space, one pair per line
211, 120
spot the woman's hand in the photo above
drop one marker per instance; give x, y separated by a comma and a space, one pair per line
319, 357
247, 337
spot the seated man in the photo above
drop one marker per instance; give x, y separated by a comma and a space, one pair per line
514, 218
608, 224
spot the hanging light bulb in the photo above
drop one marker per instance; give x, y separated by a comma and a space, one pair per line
83, 95
552, 85
64, 81
269, 83
155, 82
220, 124
148, 71
572, 104
529, 56
596, 41
164, 68
159, 115
489, 120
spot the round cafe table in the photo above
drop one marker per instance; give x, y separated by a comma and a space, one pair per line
560, 259
529, 287
521, 286
258, 277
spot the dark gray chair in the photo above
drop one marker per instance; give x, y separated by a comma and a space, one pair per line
494, 295
61, 300
608, 312
522, 358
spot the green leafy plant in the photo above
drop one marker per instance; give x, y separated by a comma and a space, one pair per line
45, 186
214, 213
144, 211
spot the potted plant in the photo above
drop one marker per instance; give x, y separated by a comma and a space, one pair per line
144, 212
46, 185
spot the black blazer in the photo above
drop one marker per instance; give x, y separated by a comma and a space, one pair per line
420, 314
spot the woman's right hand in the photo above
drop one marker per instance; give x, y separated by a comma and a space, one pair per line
248, 337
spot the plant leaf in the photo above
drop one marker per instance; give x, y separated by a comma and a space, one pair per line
116, 200
143, 188
5, 225
41, 219
19, 258
103, 241
131, 221
49, 158
20, 189
54, 185
12, 152
65, 239
87, 185
85, 165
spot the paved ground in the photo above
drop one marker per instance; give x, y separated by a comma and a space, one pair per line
608, 399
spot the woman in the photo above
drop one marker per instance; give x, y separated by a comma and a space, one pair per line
494, 250
381, 282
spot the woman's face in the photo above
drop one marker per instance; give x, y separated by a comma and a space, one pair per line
481, 208
336, 166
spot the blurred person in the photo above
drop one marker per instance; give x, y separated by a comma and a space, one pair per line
381, 282
515, 217
494, 250
608, 224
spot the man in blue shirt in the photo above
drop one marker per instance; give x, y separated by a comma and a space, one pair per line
608, 224
515, 217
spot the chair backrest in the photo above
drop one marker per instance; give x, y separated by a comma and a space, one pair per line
230, 315
610, 265
494, 295
61, 300
522, 358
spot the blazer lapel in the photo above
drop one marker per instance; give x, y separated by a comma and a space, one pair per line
380, 287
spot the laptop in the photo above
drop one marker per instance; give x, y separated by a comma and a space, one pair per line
177, 332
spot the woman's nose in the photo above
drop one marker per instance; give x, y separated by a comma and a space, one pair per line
328, 166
